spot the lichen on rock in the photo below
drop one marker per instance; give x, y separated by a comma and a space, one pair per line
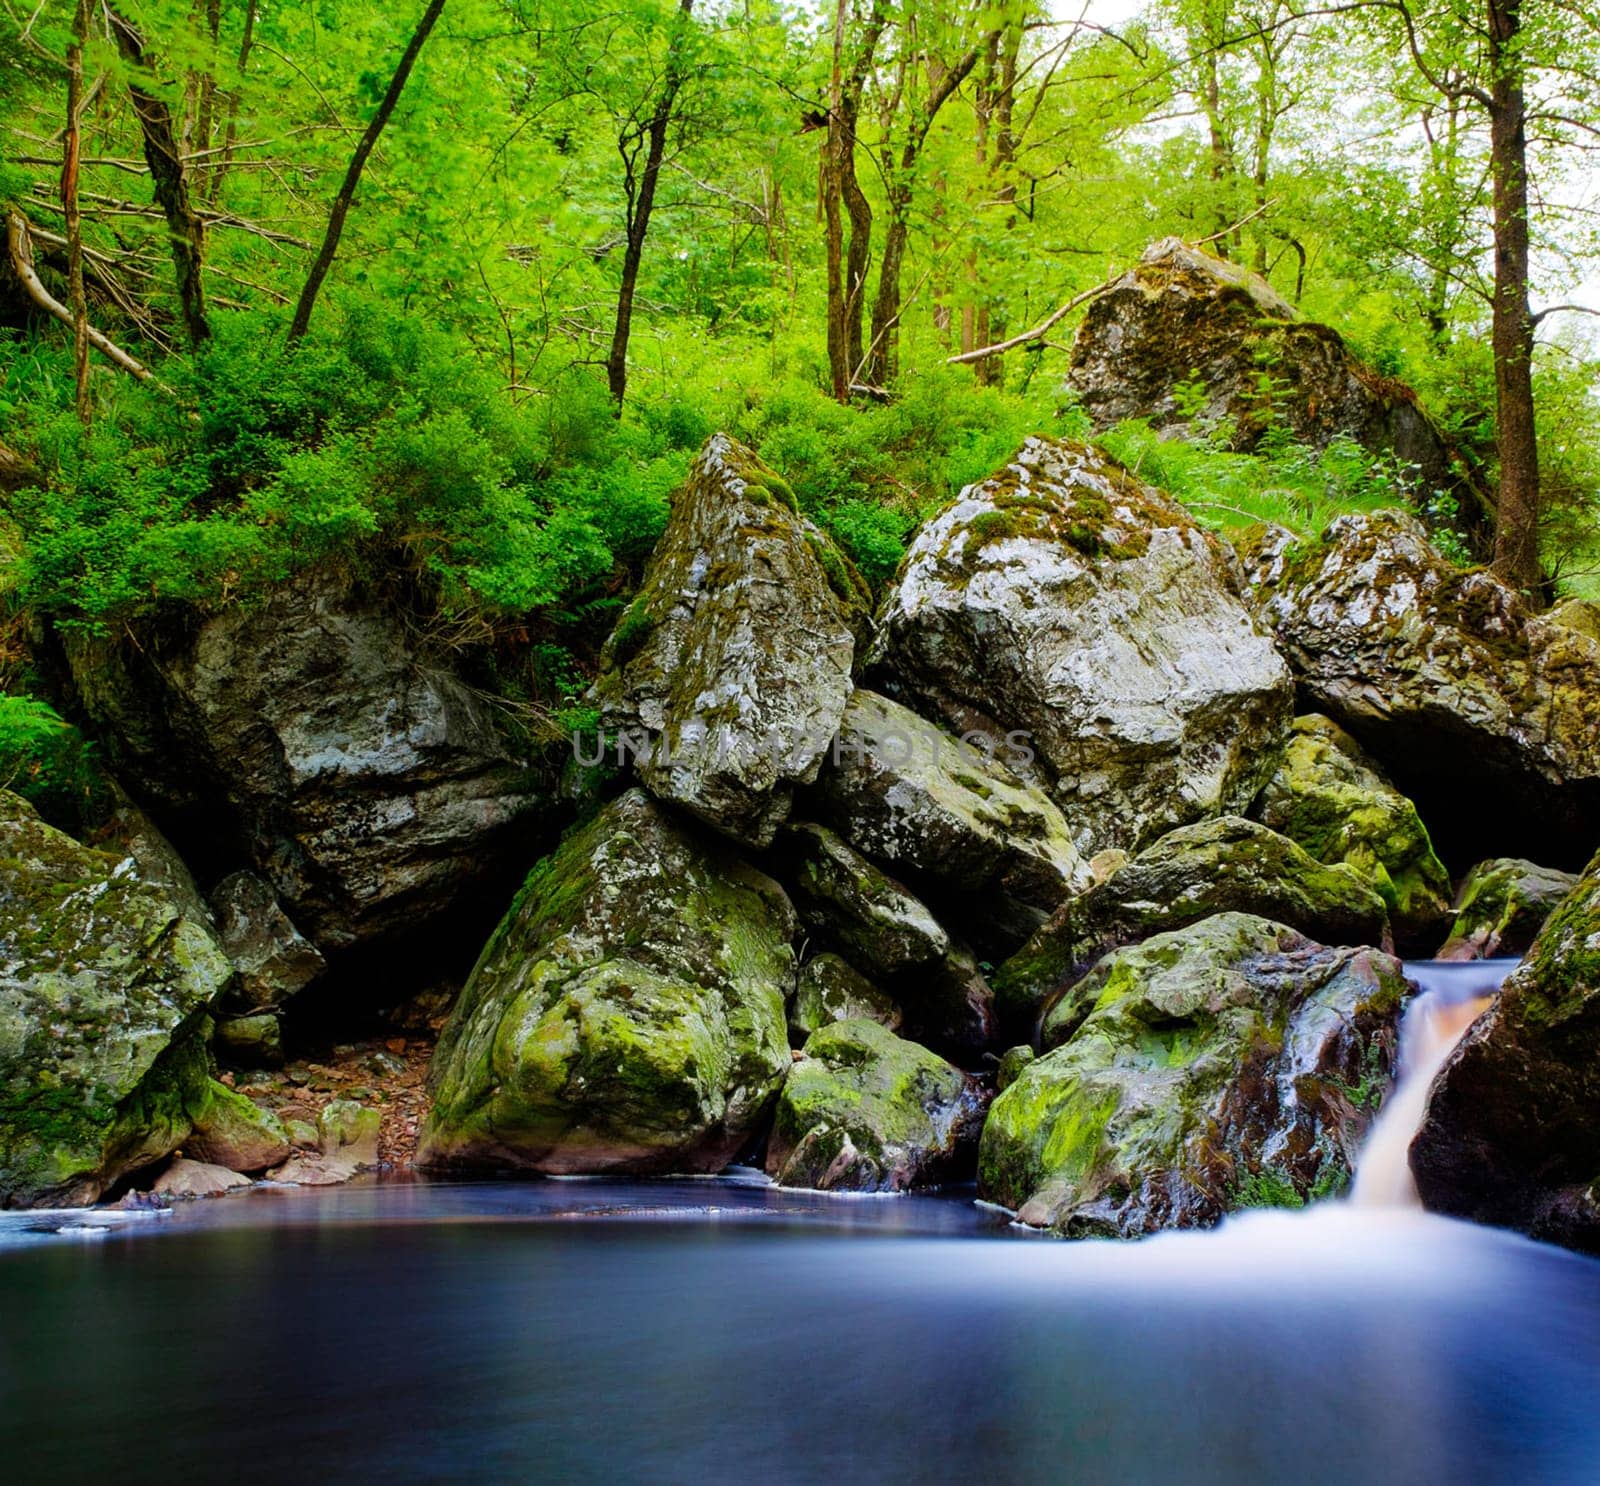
627, 1014
727, 676
1484, 714
104, 987
1224, 1065
1228, 865
1332, 799
1102, 628
866, 1111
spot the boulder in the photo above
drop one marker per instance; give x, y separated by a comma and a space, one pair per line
1228, 865
1485, 715
104, 987
1231, 1064
310, 736
274, 959
959, 823
1063, 608
187, 1179
844, 898
347, 1144
249, 1041
628, 1013
1332, 799
731, 668
1511, 1134
866, 1111
231, 1131
832, 990
950, 1007
1187, 342
1501, 908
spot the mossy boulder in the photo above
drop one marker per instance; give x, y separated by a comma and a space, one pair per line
950, 815
728, 674
832, 990
866, 1111
1228, 865
1332, 799
627, 1014
312, 733
1502, 906
1230, 1064
1192, 344
1512, 1129
232, 1131
104, 987
1068, 610
1486, 715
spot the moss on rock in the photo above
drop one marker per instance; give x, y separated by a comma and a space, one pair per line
866, 1111
626, 1015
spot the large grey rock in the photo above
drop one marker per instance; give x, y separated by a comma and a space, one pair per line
1184, 340
733, 662
1228, 865
1511, 1134
104, 985
908, 794
367, 783
1333, 800
1067, 602
186, 1178
627, 1015
866, 1111
347, 1144
274, 959
1230, 1064
1485, 715
1502, 906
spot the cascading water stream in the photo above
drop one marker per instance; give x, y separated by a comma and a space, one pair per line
1453, 996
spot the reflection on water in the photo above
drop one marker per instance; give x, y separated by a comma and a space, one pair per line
560, 1331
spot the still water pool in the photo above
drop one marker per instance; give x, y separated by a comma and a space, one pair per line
722, 1331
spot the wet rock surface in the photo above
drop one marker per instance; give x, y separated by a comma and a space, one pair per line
1068, 604
733, 663
866, 1111
310, 737
104, 985
1512, 1129
1502, 906
628, 1014
1332, 799
1486, 715
1233, 1063
1226, 865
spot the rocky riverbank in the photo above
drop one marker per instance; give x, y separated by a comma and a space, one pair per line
1081, 866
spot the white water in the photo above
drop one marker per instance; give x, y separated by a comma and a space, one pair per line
1453, 996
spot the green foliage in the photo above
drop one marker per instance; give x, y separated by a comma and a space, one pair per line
1283, 482
379, 441
49, 763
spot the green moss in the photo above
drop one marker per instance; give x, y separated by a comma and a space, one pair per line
633, 631
1267, 1187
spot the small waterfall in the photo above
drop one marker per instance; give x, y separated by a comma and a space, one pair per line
1452, 996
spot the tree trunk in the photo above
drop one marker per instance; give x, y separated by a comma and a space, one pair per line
77, 300
1516, 538
352, 177
185, 228
641, 202
225, 159
842, 197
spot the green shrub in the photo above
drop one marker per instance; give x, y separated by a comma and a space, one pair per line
49, 763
